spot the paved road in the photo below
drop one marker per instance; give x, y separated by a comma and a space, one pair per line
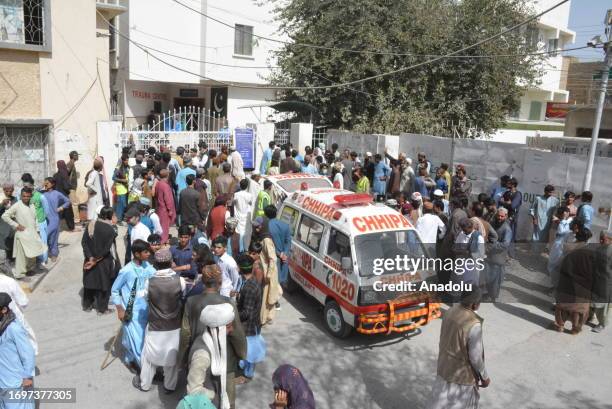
530, 365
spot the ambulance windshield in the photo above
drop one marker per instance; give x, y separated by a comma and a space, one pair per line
373, 247
293, 185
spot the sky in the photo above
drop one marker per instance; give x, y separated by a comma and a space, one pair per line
586, 19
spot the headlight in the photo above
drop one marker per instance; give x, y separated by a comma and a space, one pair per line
367, 295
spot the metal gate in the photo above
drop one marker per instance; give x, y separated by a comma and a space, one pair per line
184, 127
24, 149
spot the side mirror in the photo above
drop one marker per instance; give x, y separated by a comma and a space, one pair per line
347, 264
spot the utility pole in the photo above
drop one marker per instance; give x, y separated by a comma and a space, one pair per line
607, 46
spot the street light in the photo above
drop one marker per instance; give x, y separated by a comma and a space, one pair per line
595, 42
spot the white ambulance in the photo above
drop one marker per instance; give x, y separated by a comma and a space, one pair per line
336, 237
287, 183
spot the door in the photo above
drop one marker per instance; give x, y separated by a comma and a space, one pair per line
535, 111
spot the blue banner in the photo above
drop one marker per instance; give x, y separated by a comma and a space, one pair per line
245, 145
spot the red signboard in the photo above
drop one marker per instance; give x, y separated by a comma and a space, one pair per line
556, 110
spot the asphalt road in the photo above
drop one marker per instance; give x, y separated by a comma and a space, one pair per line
530, 365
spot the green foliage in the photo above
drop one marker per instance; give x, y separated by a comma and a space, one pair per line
477, 91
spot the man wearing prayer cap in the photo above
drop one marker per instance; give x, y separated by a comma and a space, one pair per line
162, 335
461, 364
17, 360
234, 242
235, 159
207, 364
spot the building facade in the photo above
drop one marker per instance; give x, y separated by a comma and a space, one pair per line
551, 34
170, 56
584, 82
54, 82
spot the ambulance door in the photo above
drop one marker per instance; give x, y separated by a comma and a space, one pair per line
307, 247
342, 279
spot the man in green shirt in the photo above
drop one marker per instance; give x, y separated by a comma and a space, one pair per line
363, 183
40, 207
264, 199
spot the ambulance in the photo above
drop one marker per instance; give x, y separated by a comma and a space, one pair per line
337, 236
287, 183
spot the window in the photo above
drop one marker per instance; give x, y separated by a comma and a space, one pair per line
24, 24
553, 46
532, 35
243, 40
386, 245
290, 216
310, 233
339, 246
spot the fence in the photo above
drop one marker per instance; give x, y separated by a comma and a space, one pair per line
487, 161
184, 119
144, 139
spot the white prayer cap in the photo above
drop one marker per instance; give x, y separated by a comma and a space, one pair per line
417, 196
368, 154
409, 161
218, 315
99, 209
255, 172
438, 192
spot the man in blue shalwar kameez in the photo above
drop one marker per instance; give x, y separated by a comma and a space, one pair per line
16, 358
542, 212
382, 171
132, 283
58, 202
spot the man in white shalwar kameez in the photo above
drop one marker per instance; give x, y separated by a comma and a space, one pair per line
461, 366
237, 164
161, 342
243, 210
27, 245
97, 189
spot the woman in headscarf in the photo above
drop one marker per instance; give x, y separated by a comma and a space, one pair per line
274, 168
62, 185
97, 188
101, 263
291, 390
271, 289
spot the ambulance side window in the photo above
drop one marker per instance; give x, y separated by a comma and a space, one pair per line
290, 216
339, 245
310, 233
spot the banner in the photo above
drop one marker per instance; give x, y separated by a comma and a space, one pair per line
245, 145
556, 110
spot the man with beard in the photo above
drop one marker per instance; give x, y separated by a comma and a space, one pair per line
97, 187
101, 261
27, 245
497, 254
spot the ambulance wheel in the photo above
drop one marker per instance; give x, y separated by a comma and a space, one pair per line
291, 286
333, 320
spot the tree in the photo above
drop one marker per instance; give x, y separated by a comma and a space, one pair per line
390, 34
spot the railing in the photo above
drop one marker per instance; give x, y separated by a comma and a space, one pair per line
142, 140
185, 119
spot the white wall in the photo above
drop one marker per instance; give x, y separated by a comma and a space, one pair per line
165, 19
172, 28
260, 16
238, 97
139, 98
558, 17
520, 136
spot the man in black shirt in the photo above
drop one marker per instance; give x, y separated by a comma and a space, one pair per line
249, 309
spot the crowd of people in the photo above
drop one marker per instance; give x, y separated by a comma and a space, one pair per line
198, 299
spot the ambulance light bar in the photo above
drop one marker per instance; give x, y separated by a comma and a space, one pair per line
353, 199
